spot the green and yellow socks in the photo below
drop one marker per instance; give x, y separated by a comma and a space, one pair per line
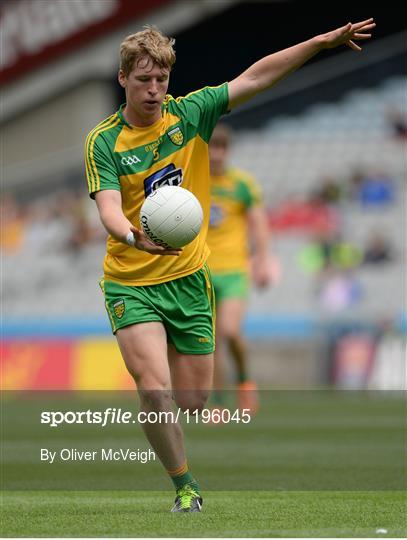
182, 476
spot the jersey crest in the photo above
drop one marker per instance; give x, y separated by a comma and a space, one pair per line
176, 136
119, 308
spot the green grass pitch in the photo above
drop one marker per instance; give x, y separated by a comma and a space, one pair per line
226, 514
310, 464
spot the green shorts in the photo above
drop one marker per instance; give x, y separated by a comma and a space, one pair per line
230, 285
185, 306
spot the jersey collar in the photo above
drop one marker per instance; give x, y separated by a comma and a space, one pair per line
121, 116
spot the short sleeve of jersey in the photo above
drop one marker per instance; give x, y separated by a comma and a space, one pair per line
249, 192
204, 107
101, 171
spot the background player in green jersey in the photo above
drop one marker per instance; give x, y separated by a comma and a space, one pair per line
237, 232
127, 156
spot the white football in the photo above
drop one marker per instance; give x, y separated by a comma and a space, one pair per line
171, 216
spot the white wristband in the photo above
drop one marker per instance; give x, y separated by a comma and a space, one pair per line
130, 239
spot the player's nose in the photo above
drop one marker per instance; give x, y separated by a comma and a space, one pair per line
153, 88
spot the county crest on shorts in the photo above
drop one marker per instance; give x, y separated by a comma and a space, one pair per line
118, 308
176, 136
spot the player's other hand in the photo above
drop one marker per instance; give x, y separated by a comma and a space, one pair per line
265, 272
143, 243
260, 270
348, 34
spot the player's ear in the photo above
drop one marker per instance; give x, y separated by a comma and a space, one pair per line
122, 78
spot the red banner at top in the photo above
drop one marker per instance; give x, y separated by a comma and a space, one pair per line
34, 32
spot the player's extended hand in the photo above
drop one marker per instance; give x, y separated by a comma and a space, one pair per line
145, 244
348, 34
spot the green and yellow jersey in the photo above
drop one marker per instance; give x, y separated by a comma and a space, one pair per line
232, 194
136, 161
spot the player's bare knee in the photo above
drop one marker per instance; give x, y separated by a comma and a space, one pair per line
236, 340
229, 332
192, 401
136, 378
156, 400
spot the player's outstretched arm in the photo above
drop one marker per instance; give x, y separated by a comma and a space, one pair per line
109, 203
271, 69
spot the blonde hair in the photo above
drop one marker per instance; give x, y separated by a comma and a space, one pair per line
150, 43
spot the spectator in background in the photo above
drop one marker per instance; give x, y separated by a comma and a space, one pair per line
338, 290
372, 189
13, 225
328, 250
398, 123
344, 254
333, 260
304, 215
352, 355
377, 189
355, 183
83, 232
329, 192
389, 369
378, 250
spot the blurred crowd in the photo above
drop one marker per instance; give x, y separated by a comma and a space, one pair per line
59, 222
330, 252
